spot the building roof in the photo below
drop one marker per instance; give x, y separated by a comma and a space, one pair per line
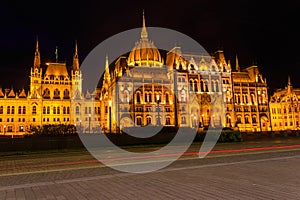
56, 69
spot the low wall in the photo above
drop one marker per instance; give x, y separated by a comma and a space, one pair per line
35, 143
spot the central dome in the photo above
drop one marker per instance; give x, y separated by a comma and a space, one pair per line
144, 52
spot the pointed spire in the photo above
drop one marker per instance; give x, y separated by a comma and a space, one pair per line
289, 86
56, 54
37, 58
75, 58
237, 67
106, 74
144, 34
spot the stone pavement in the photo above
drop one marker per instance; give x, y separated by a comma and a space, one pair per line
264, 175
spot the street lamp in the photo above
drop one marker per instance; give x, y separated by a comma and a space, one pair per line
109, 110
89, 123
4, 129
158, 110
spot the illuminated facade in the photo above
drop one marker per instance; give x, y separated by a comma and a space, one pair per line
284, 108
142, 89
138, 89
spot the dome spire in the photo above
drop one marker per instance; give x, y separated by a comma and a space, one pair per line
144, 34
289, 86
37, 58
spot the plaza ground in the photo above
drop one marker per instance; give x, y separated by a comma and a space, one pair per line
256, 169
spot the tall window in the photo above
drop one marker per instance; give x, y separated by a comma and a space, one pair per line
19, 110
168, 121
148, 120
46, 93
64, 110
13, 110
33, 109
196, 86
139, 121
44, 110
58, 110
138, 97
54, 110
167, 97
56, 94
77, 110
68, 110
1, 109
48, 110
66, 94
8, 110
24, 110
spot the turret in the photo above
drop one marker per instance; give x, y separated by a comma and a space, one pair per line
76, 73
37, 57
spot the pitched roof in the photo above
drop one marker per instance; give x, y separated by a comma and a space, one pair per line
56, 69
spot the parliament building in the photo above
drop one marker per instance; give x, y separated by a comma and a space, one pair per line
146, 87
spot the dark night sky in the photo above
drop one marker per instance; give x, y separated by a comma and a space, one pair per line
263, 32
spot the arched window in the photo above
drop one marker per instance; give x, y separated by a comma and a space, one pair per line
217, 86
1, 109
66, 94
34, 110
213, 89
77, 110
68, 110
196, 86
254, 119
246, 119
48, 110
183, 120
138, 97
148, 120
64, 110
206, 86
24, 110
125, 96
191, 85
8, 110
150, 97
239, 119
20, 110
56, 94
54, 110
44, 109
168, 121
146, 97
58, 110
202, 86
13, 110
167, 98
139, 121
46, 93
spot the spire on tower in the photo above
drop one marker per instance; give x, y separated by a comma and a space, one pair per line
144, 34
237, 67
75, 58
37, 58
289, 86
106, 73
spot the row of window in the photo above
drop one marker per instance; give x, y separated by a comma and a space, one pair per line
56, 110
56, 119
247, 119
286, 124
11, 110
12, 120
285, 110
10, 129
